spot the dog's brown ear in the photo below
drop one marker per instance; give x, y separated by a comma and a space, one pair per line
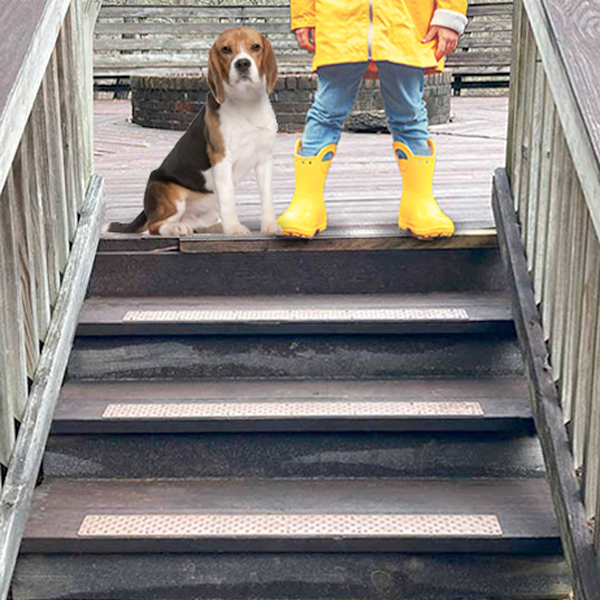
215, 75
269, 65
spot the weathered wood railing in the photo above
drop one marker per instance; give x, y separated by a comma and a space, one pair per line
553, 174
50, 210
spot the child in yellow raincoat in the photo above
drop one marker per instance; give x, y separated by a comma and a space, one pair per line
403, 38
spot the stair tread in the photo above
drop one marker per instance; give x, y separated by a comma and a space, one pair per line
522, 507
123, 315
154, 405
334, 238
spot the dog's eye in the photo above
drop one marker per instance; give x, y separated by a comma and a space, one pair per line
226, 50
255, 47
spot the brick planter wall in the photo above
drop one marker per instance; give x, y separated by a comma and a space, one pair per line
171, 102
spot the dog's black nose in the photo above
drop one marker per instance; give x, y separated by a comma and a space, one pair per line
242, 65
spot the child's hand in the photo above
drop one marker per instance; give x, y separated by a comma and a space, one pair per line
303, 36
447, 40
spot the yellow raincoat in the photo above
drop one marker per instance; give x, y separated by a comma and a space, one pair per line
359, 30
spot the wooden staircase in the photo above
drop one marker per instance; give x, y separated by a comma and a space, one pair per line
340, 419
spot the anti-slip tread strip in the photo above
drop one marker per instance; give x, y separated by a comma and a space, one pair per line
276, 410
297, 315
290, 525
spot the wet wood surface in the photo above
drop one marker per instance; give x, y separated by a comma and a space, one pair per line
363, 187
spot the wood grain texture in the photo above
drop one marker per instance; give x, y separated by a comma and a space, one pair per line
575, 532
568, 60
29, 448
158, 36
363, 187
576, 26
28, 34
523, 507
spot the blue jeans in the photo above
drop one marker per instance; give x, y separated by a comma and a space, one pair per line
402, 91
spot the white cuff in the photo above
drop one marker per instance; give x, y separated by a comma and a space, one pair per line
450, 19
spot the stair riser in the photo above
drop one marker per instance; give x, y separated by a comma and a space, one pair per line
317, 357
290, 577
499, 327
373, 272
298, 455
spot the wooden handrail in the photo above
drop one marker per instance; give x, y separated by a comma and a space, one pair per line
553, 168
569, 52
29, 31
50, 215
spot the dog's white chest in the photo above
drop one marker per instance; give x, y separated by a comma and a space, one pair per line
249, 135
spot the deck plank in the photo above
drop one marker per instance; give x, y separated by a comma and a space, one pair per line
364, 184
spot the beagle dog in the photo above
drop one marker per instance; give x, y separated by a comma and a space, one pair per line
193, 189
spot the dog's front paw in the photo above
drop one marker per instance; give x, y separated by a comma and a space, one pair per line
272, 228
181, 229
237, 229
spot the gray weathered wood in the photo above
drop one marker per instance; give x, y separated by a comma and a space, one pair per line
14, 333
575, 533
57, 190
580, 128
157, 36
24, 236
28, 451
70, 132
37, 232
31, 30
587, 344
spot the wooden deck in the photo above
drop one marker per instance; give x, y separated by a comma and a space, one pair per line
364, 186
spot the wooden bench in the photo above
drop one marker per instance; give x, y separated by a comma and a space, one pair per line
483, 56
133, 39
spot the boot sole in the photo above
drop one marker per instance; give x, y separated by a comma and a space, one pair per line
300, 234
427, 235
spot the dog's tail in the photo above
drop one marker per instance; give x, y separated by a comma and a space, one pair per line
136, 226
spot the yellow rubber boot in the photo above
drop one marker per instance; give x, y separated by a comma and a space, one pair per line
419, 212
306, 215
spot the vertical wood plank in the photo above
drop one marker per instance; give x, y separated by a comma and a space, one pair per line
71, 143
555, 198
520, 112
36, 230
45, 176
591, 459
26, 261
14, 330
535, 152
562, 266
56, 161
571, 366
543, 203
515, 86
7, 253
39, 216
80, 25
587, 347
526, 147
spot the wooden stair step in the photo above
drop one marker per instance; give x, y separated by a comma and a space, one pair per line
407, 313
455, 515
218, 406
357, 356
333, 239
221, 266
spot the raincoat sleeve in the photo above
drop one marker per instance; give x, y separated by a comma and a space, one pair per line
303, 13
450, 14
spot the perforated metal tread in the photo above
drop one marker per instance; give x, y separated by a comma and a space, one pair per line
286, 314
285, 526
303, 515
443, 405
297, 409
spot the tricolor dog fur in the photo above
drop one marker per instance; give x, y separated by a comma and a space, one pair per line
193, 189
